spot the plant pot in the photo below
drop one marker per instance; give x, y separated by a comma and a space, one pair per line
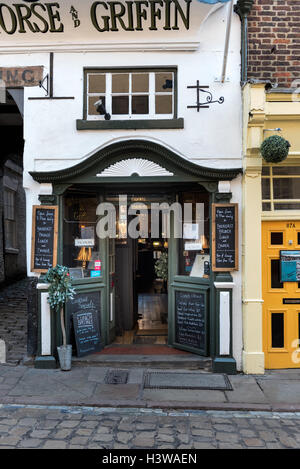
65, 357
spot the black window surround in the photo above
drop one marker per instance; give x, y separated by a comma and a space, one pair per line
129, 122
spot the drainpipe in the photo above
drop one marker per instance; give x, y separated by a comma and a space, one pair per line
228, 29
243, 8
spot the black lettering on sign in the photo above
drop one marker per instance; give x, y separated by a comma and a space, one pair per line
44, 238
190, 320
225, 237
84, 312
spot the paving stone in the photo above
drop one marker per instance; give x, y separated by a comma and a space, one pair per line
54, 444
30, 443
62, 434
39, 434
79, 440
228, 437
124, 437
253, 442
141, 442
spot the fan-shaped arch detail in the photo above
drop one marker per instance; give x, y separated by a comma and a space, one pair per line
133, 167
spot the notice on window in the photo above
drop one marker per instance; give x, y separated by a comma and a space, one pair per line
290, 266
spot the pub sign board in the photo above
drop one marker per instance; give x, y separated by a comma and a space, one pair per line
83, 313
19, 77
190, 320
35, 23
44, 238
224, 237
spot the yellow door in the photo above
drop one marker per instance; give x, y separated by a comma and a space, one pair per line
281, 307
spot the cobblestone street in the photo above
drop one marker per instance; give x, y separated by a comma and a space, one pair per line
13, 320
94, 428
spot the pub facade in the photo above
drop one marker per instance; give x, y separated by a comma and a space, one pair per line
138, 113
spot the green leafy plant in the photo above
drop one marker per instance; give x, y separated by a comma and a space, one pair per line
60, 291
161, 266
275, 149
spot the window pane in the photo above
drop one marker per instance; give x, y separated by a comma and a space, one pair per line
140, 105
286, 170
163, 82
9, 205
277, 330
92, 108
79, 234
140, 82
97, 83
275, 274
10, 233
265, 185
163, 104
120, 83
120, 105
265, 171
288, 188
287, 206
266, 206
277, 238
194, 246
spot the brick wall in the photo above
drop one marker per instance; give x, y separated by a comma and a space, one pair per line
274, 41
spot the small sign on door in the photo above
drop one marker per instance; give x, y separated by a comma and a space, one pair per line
290, 266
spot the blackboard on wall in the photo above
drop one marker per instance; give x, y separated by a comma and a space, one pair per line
44, 238
84, 312
190, 320
225, 237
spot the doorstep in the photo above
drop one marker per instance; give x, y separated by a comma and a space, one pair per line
145, 356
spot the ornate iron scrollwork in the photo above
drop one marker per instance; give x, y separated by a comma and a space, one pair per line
209, 97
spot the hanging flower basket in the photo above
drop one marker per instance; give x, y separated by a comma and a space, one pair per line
275, 149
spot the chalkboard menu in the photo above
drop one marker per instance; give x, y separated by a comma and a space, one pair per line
225, 237
84, 316
44, 238
190, 319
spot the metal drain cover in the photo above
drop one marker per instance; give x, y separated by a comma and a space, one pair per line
116, 377
196, 380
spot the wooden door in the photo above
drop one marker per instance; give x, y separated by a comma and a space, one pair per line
281, 307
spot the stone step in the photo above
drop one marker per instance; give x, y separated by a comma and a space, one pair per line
185, 362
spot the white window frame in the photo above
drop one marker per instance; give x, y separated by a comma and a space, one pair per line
108, 95
272, 201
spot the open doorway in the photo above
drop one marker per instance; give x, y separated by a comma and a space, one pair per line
141, 289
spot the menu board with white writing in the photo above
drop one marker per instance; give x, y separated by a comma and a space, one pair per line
84, 311
44, 238
225, 237
190, 320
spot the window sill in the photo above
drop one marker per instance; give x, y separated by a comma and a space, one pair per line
130, 124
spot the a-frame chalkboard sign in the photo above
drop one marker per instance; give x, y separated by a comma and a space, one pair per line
225, 256
44, 238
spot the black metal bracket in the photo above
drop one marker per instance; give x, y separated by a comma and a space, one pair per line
42, 82
209, 97
49, 84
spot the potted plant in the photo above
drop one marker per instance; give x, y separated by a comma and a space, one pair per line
161, 268
275, 149
60, 291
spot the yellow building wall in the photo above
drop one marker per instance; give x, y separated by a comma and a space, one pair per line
262, 113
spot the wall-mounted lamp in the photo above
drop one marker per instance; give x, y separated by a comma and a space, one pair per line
101, 109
